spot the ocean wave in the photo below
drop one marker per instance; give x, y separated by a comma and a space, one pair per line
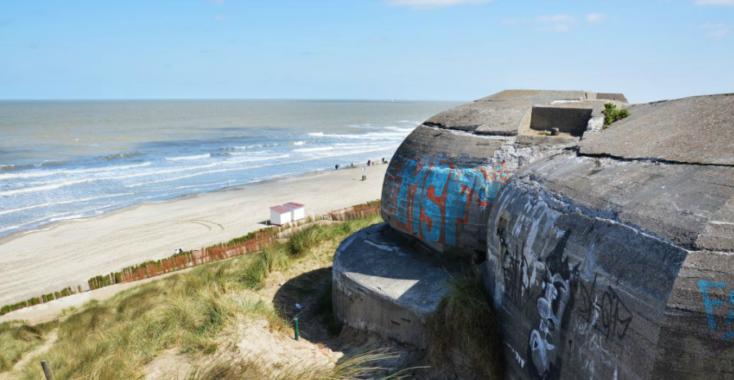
57, 185
361, 126
299, 143
248, 147
281, 163
235, 154
188, 158
398, 129
306, 150
120, 156
34, 221
45, 173
363, 136
50, 204
70, 217
44, 187
254, 159
230, 162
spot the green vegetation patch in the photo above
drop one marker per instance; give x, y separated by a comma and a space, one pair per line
115, 339
612, 114
464, 322
17, 339
364, 366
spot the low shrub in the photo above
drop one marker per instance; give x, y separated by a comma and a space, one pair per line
612, 114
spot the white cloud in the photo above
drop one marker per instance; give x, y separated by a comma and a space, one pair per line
715, 3
716, 30
559, 23
595, 18
426, 4
556, 18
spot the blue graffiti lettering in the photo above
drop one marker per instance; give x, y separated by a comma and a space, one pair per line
709, 304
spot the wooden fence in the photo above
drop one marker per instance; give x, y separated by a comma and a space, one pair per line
250, 243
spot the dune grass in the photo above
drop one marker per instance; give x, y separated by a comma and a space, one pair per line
116, 338
17, 339
357, 367
465, 322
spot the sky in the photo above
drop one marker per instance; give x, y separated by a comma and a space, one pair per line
362, 49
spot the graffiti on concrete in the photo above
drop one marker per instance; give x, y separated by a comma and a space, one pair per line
558, 284
516, 274
595, 359
709, 303
434, 199
604, 310
603, 319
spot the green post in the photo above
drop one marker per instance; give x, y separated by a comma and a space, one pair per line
295, 321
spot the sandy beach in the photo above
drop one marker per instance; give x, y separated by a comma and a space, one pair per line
69, 253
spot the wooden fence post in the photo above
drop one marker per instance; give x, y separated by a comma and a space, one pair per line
47, 370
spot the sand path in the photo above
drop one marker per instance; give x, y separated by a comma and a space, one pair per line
71, 252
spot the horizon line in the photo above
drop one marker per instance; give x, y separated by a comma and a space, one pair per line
230, 99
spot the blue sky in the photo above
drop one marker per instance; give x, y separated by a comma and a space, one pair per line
362, 49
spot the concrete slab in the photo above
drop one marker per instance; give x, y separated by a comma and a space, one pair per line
697, 130
385, 284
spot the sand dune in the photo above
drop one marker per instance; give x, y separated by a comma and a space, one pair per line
71, 252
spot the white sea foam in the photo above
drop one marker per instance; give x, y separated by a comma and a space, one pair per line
399, 129
248, 147
306, 150
260, 166
50, 204
70, 217
188, 158
254, 159
366, 136
45, 173
44, 187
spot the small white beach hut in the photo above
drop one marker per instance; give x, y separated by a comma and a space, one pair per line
298, 209
280, 215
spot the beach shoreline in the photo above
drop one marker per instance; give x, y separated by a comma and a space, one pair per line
150, 231
50, 226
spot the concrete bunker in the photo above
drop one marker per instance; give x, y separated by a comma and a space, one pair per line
614, 260
572, 121
438, 193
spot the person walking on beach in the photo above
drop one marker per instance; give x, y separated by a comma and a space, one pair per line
336, 167
368, 162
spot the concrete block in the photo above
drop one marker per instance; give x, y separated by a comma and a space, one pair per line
384, 284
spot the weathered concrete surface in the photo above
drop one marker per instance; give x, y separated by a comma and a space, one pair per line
621, 268
443, 179
693, 130
383, 284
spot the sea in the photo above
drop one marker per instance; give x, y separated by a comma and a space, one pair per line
66, 160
